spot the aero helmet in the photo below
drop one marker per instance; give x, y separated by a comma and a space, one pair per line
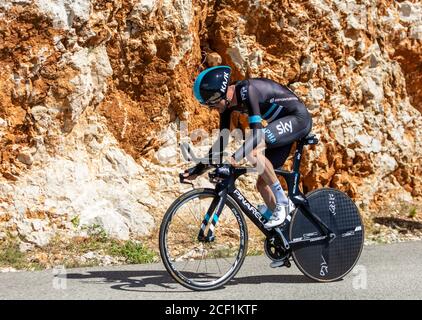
211, 85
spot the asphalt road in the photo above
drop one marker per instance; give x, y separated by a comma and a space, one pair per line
383, 272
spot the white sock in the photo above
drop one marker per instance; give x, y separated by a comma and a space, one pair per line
280, 197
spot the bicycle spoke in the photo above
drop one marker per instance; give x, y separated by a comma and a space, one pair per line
184, 222
184, 267
200, 261
206, 270
218, 266
230, 264
197, 220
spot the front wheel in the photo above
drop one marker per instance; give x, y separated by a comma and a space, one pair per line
195, 261
326, 261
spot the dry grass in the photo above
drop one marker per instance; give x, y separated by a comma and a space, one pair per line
399, 222
70, 252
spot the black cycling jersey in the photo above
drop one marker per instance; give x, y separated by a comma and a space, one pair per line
264, 99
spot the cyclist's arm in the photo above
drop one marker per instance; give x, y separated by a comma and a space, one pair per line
215, 154
250, 96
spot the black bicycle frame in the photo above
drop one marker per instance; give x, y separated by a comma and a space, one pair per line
292, 178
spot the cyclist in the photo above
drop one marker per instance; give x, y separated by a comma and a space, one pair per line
287, 120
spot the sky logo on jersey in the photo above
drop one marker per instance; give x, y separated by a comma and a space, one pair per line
284, 127
243, 93
225, 82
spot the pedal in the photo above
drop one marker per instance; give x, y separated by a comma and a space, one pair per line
281, 263
277, 264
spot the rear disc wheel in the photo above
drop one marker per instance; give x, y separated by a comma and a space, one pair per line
326, 261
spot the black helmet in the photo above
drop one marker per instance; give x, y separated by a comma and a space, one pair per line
211, 85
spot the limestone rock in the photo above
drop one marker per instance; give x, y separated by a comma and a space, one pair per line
371, 90
25, 157
63, 13
93, 97
3, 123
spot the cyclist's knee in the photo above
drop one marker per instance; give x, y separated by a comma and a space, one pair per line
252, 157
256, 156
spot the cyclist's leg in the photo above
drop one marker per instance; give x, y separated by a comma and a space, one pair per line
278, 156
266, 174
279, 137
279, 133
275, 158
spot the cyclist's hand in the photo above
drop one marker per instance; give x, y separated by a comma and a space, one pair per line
188, 176
233, 162
192, 173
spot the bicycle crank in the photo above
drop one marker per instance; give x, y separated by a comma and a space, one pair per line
274, 251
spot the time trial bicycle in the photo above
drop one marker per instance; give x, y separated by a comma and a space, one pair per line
203, 236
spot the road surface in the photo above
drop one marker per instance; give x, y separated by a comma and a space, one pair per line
391, 271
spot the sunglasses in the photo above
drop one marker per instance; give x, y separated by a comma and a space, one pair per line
213, 102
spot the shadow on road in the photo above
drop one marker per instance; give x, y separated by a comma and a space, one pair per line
129, 280
139, 280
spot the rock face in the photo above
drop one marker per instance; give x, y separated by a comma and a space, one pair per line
91, 90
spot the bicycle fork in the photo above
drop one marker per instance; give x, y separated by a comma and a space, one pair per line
213, 212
